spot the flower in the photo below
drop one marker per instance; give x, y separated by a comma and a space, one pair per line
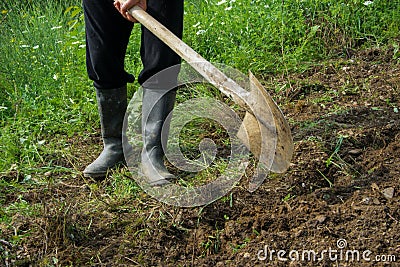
367, 3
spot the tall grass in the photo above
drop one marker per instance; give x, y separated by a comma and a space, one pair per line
46, 98
44, 94
271, 35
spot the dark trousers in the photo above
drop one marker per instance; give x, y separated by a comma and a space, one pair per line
107, 37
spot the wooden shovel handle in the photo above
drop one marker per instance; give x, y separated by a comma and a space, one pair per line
165, 35
212, 74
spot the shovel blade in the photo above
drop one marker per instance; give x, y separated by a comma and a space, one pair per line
253, 138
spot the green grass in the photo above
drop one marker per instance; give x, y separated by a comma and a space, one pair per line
271, 36
46, 97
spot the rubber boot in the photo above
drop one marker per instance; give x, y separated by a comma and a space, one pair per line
112, 105
157, 104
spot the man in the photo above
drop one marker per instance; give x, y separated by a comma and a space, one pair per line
108, 28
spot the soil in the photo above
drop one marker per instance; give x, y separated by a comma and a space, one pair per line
341, 193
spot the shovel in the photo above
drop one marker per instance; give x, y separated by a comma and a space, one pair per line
263, 119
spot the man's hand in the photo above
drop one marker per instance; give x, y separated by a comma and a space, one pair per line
128, 4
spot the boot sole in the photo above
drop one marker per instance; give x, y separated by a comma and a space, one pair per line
104, 174
159, 182
95, 175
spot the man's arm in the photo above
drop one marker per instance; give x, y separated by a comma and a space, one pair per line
128, 4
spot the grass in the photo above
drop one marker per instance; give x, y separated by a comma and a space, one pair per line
44, 90
289, 33
46, 97
48, 107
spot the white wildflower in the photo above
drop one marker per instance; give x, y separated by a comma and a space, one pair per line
221, 2
200, 32
24, 46
55, 77
76, 42
196, 25
82, 46
228, 8
41, 142
367, 3
36, 47
56, 27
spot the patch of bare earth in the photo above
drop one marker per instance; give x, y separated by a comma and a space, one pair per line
343, 185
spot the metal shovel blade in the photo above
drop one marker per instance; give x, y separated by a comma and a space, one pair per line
250, 131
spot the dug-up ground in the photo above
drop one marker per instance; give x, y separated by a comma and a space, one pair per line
341, 193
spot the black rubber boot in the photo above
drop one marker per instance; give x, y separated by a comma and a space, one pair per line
112, 105
157, 104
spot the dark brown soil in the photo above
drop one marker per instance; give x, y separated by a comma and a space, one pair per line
343, 184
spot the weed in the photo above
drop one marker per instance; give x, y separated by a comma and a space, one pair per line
334, 154
326, 178
238, 247
212, 245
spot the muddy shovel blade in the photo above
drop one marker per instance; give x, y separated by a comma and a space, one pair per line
252, 137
